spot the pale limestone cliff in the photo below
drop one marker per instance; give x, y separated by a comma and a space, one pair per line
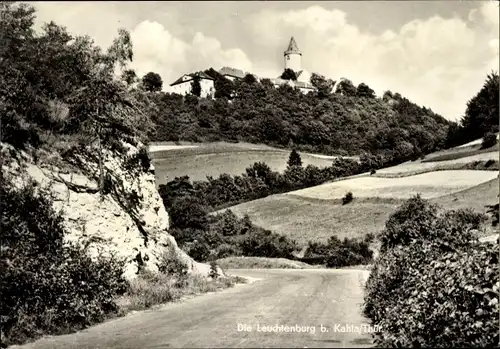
140, 235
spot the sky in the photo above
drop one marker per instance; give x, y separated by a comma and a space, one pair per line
435, 53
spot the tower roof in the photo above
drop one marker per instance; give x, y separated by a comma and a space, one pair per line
292, 47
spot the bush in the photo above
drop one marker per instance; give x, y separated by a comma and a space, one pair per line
338, 253
214, 273
493, 211
263, 243
489, 163
489, 140
347, 198
434, 284
424, 296
48, 287
417, 219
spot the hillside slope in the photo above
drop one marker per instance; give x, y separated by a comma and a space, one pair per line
212, 159
137, 232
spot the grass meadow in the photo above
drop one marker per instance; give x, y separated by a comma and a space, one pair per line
317, 213
202, 160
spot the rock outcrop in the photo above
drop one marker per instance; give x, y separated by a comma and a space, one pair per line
130, 221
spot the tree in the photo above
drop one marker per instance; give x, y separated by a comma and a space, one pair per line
289, 74
224, 87
388, 96
489, 140
323, 85
294, 159
196, 86
346, 88
365, 91
152, 82
130, 77
267, 83
249, 79
187, 212
481, 115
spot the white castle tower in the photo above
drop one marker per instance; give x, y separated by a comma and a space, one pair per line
293, 57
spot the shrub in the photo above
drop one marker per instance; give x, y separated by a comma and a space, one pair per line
424, 296
489, 140
188, 212
48, 287
372, 172
493, 210
489, 163
338, 253
214, 273
263, 243
170, 264
347, 198
413, 219
434, 284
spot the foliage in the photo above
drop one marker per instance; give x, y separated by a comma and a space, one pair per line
188, 212
346, 88
264, 243
481, 115
365, 91
482, 111
434, 284
249, 79
289, 74
196, 86
417, 219
333, 124
152, 82
336, 253
129, 76
425, 296
48, 287
489, 140
294, 159
224, 87
260, 181
55, 85
347, 198
214, 273
323, 85
493, 210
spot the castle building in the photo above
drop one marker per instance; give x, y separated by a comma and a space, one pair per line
293, 60
182, 85
293, 56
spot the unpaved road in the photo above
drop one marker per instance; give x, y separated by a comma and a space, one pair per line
279, 297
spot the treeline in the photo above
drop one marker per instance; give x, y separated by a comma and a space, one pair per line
344, 122
260, 181
481, 116
208, 237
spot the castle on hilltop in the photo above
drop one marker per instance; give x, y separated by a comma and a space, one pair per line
293, 60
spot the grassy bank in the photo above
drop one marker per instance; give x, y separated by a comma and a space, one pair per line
262, 263
150, 290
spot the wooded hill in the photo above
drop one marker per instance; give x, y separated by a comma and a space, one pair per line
348, 121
